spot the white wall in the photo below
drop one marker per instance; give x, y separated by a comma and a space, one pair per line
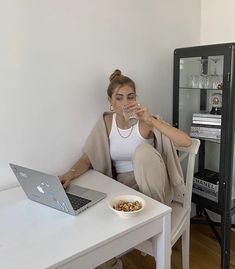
56, 56
217, 21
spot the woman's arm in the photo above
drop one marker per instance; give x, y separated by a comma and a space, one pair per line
177, 136
80, 167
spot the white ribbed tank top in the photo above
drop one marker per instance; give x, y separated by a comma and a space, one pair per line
122, 149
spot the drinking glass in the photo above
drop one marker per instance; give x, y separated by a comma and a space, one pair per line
215, 78
203, 78
130, 117
194, 81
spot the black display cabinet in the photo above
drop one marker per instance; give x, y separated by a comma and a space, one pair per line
204, 107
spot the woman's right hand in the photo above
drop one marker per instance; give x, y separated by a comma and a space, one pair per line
65, 179
80, 167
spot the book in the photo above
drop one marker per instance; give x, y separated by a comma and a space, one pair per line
206, 122
207, 179
211, 195
207, 175
206, 126
206, 195
206, 118
206, 184
206, 191
205, 131
206, 114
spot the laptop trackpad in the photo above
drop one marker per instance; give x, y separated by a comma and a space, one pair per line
76, 190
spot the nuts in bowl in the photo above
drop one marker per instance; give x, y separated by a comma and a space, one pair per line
127, 206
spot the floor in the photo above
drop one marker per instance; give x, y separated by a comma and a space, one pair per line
204, 252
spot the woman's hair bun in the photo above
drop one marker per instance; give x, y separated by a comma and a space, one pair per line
115, 74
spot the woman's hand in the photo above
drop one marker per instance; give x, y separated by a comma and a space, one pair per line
144, 114
177, 136
80, 167
141, 111
66, 179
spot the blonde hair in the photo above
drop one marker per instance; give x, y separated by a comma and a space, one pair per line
118, 80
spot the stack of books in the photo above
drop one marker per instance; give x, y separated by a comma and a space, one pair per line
206, 184
206, 125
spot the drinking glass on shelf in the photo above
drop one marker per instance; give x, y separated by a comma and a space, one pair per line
201, 80
215, 78
194, 81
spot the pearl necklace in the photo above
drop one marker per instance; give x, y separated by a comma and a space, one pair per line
122, 135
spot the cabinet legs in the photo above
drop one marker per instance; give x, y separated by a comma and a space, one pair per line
225, 241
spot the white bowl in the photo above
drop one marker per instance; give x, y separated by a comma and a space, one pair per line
128, 198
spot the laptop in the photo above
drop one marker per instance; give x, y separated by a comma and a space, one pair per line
47, 190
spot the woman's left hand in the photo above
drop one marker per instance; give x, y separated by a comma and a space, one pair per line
141, 111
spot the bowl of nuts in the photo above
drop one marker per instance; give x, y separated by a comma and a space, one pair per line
127, 206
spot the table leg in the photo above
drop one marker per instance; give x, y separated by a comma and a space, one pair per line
162, 245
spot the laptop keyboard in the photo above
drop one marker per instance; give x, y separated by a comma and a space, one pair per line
77, 201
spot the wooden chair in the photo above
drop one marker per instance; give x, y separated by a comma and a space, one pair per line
181, 207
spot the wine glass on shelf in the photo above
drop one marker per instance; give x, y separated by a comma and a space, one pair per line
215, 78
199, 80
194, 81
203, 79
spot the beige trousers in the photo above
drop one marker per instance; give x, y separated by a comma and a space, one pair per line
149, 175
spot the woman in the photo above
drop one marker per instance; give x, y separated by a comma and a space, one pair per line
141, 156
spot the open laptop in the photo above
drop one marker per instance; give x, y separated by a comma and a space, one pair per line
48, 190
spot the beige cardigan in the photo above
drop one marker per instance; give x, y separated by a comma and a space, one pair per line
97, 149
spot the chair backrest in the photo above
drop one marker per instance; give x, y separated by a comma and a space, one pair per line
189, 153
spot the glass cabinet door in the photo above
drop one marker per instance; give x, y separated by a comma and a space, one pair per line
200, 109
204, 107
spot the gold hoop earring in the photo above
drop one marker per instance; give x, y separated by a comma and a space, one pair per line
110, 107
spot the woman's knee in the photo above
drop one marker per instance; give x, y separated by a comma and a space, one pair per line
145, 153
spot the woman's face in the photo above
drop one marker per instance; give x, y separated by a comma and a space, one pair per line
122, 96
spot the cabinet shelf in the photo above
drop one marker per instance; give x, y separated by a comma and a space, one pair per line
206, 89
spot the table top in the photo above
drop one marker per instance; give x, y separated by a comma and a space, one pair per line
36, 236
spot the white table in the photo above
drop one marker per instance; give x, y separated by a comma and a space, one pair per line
34, 236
